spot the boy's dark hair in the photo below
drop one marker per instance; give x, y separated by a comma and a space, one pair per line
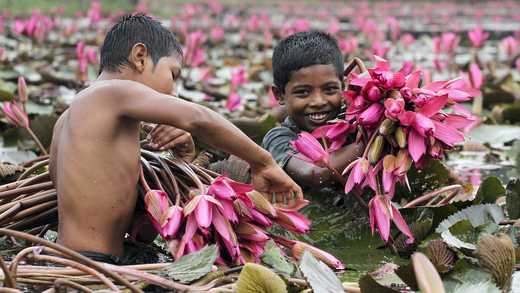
305, 49
133, 29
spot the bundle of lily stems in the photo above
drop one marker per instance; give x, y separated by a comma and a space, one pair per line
190, 206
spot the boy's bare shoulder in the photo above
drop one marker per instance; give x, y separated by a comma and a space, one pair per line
110, 90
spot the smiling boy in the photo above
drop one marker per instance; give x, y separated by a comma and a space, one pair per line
308, 79
94, 161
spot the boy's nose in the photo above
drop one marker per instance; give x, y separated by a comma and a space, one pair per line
318, 100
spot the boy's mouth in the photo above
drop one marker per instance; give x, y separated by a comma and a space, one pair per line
319, 117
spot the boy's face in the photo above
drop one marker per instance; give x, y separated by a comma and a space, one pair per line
313, 96
161, 76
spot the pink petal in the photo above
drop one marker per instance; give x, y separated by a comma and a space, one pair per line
401, 225
423, 124
338, 129
416, 145
203, 212
228, 210
260, 218
233, 101
382, 218
458, 121
412, 80
191, 228
174, 222
220, 225
221, 189
434, 105
388, 183
475, 76
446, 134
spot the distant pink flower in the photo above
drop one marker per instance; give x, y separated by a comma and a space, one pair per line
394, 28
194, 54
22, 90
379, 48
80, 50
301, 25
253, 22
18, 27
334, 26
217, 33
310, 149
407, 39
238, 76
94, 13
475, 76
381, 211
477, 37
446, 43
91, 55
233, 102
215, 6
348, 45
509, 45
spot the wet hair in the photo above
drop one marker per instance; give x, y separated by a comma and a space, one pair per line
133, 29
305, 49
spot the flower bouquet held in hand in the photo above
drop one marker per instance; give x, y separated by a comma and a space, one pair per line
401, 123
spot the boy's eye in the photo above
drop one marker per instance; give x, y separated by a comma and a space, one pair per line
301, 92
332, 90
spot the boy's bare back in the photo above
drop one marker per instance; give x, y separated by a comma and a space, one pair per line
95, 167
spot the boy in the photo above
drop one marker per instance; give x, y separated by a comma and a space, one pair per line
95, 147
308, 79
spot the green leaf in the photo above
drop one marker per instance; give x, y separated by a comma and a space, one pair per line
367, 284
273, 257
490, 190
483, 287
256, 278
478, 215
513, 199
426, 275
192, 266
495, 135
320, 277
407, 274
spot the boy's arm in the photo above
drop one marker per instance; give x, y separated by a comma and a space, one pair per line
309, 174
134, 100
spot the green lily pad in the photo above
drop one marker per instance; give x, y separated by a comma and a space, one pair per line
513, 199
273, 257
495, 135
319, 275
490, 190
192, 266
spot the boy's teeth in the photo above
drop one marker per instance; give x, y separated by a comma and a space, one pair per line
318, 116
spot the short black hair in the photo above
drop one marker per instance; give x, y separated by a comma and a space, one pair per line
305, 49
133, 29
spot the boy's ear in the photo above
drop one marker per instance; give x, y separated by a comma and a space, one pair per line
278, 94
138, 57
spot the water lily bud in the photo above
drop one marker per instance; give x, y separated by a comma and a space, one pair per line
376, 149
387, 127
299, 247
394, 94
400, 137
22, 89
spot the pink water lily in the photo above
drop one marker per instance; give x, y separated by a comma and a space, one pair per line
202, 206
509, 45
238, 77
251, 232
233, 101
477, 37
381, 211
165, 219
310, 149
15, 114
217, 33
292, 220
394, 107
359, 170
22, 90
335, 133
372, 115
348, 45
394, 170
298, 247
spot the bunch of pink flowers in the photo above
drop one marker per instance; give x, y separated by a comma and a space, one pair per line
227, 213
401, 123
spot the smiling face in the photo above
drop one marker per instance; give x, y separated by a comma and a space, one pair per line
313, 96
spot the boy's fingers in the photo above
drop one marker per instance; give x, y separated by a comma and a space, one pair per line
179, 140
147, 127
166, 135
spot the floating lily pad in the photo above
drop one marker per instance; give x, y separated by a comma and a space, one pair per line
490, 190
321, 278
192, 266
273, 257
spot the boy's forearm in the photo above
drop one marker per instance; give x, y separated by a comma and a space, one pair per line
218, 132
341, 158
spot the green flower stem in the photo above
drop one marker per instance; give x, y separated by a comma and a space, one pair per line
37, 141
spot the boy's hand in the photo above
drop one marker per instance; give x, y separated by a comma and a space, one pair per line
272, 180
164, 137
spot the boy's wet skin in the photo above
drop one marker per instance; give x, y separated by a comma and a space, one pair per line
95, 148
